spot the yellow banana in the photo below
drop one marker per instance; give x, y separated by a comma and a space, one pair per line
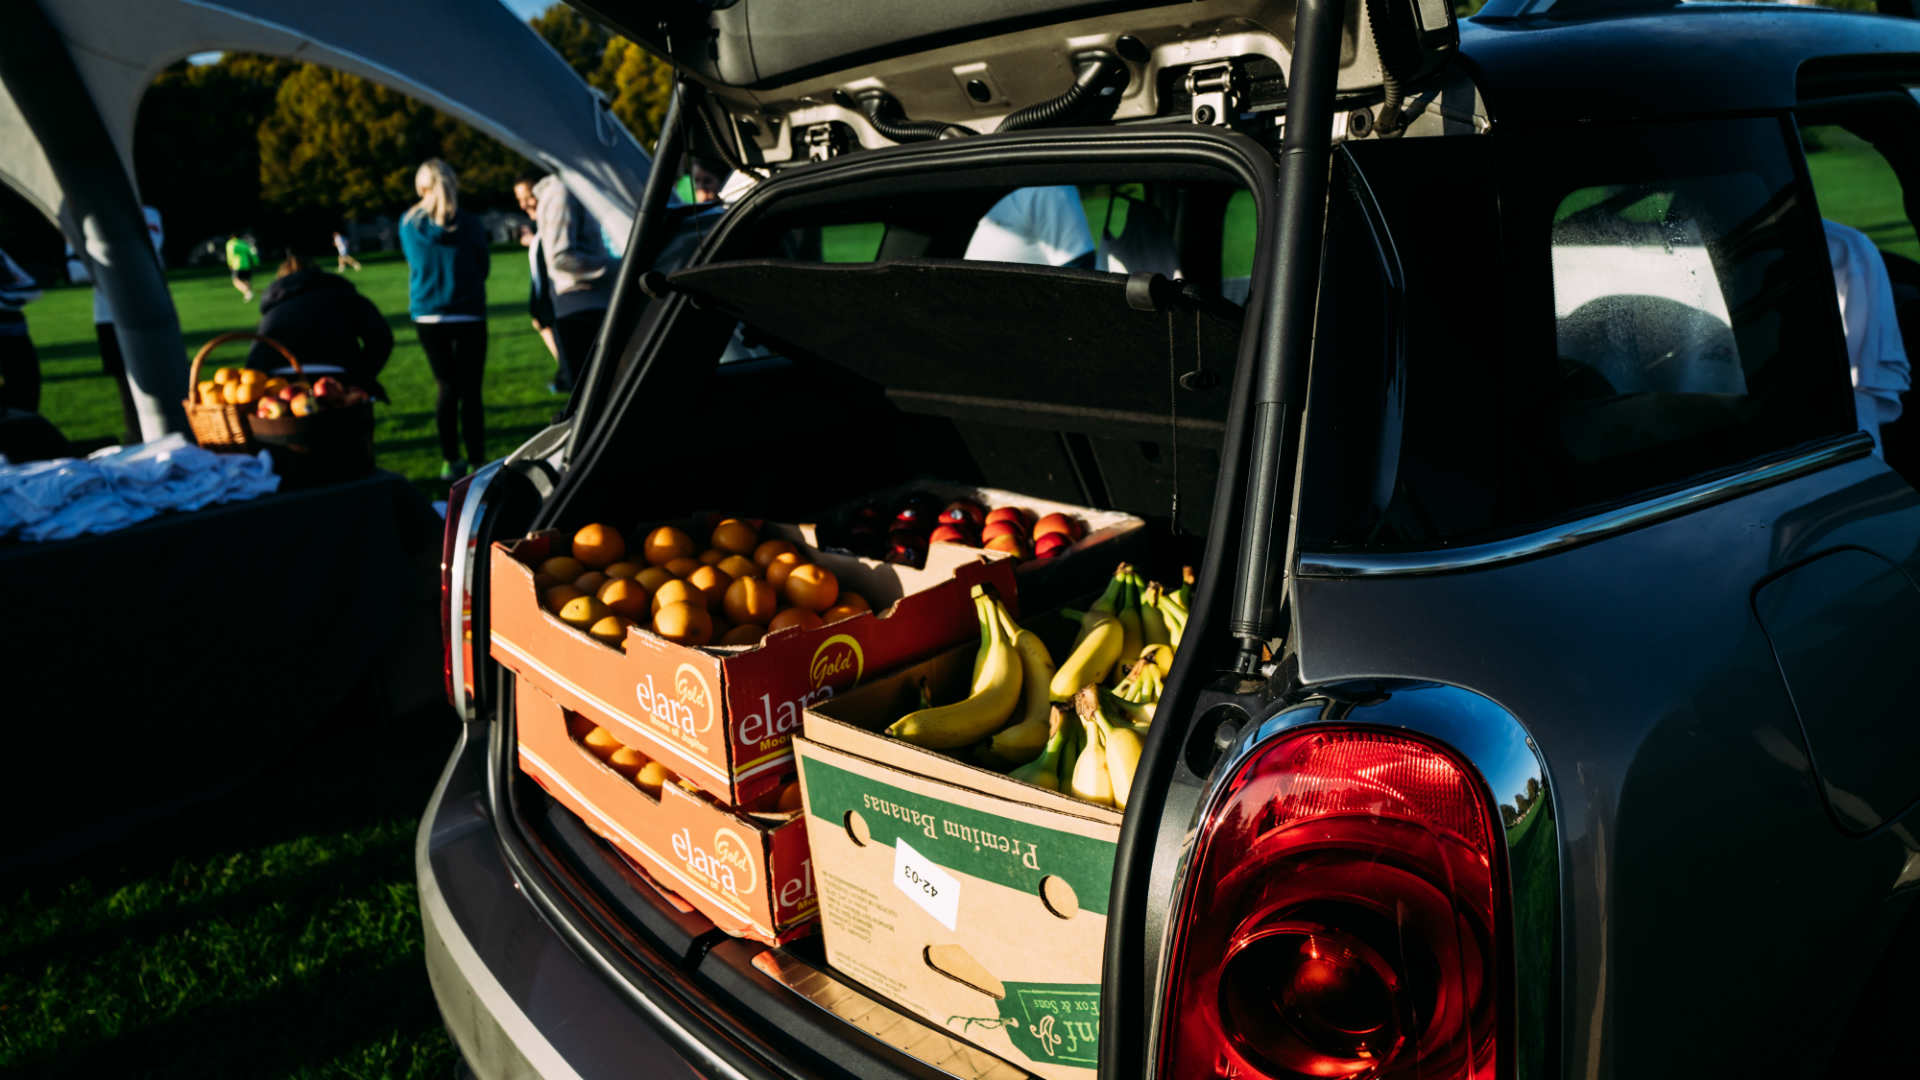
1129, 615
1153, 625
946, 727
1091, 660
1161, 656
1106, 606
1090, 781
1029, 732
1134, 712
1121, 743
1044, 771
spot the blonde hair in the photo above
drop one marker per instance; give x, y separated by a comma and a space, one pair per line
439, 191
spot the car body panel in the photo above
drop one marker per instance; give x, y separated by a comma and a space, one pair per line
1694, 838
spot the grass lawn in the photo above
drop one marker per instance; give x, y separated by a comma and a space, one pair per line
273, 932
83, 403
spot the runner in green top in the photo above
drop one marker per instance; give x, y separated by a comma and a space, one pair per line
241, 259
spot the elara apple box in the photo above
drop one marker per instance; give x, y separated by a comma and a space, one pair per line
747, 872
723, 717
974, 900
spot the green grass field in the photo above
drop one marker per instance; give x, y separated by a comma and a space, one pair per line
83, 402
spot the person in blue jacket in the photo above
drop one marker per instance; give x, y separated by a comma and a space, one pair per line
447, 263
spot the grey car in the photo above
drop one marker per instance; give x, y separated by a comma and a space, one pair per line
1548, 707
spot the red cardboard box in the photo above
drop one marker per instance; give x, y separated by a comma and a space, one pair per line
724, 717
749, 873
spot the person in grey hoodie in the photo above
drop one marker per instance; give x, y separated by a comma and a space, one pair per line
581, 273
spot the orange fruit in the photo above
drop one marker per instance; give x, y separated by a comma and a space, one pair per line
676, 592
225, 375
789, 796
735, 536
764, 554
625, 597
744, 634
711, 582
590, 581
563, 568
739, 566
209, 391
583, 611
781, 566
599, 545
558, 596
793, 616
542, 581
625, 569
665, 544
627, 761
578, 726
711, 557
252, 376
683, 566
849, 604
651, 778
683, 624
601, 742
653, 577
750, 600
611, 630
812, 587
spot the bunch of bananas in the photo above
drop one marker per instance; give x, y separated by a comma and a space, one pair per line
1063, 728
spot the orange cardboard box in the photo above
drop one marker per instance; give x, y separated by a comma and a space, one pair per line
749, 873
724, 717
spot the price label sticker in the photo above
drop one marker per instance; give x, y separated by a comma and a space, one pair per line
935, 890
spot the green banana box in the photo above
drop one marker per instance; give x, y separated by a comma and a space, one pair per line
971, 899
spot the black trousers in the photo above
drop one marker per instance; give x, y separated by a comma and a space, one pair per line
457, 355
573, 337
19, 373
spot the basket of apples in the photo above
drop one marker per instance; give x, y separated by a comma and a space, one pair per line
318, 432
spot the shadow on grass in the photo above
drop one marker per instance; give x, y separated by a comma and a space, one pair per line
300, 1023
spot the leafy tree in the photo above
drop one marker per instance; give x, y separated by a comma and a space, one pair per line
580, 41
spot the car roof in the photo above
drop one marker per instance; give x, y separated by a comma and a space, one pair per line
1685, 59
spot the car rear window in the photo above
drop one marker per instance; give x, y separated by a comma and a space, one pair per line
1591, 317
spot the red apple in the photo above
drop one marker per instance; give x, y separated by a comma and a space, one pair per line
287, 392
953, 534
1050, 544
1057, 523
1011, 543
1003, 527
906, 556
1012, 514
271, 408
964, 512
329, 389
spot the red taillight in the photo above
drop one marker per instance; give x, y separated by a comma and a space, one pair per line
1339, 919
454, 593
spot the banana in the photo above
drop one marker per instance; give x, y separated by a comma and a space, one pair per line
1133, 712
1105, 607
1129, 616
1091, 660
1044, 771
1029, 733
1121, 742
1184, 594
1161, 656
1070, 745
1090, 781
947, 727
1176, 616
1153, 625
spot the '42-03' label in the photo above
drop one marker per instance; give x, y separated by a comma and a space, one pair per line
936, 891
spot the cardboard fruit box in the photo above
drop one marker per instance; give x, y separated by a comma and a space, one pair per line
1113, 535
972, 899
749, 873
723, 717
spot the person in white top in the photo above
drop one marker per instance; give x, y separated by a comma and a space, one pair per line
1875, 351
111, 360
345, 260
1041, 226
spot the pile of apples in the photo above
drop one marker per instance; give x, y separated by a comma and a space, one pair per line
921, 520
273, 397
736, 591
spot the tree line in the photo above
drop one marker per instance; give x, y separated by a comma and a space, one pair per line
291, 151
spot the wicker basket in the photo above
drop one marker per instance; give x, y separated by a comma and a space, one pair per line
224, 427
